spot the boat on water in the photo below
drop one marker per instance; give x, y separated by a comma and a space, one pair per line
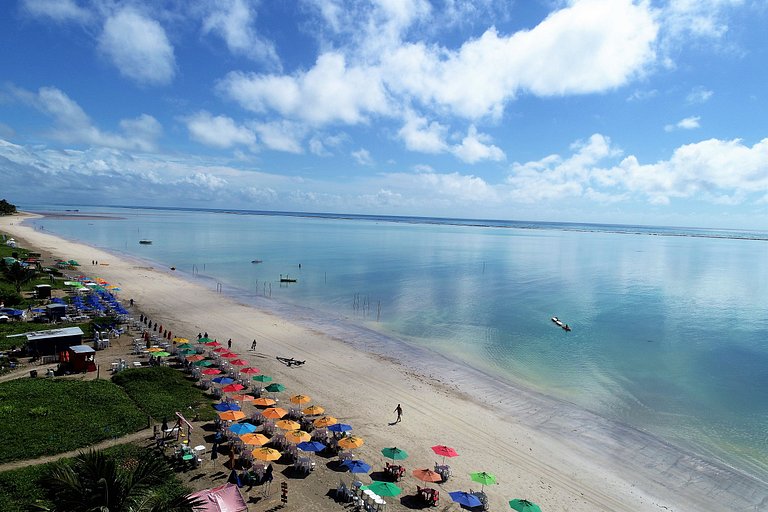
560, 324
256, 261
145, 242
287, 279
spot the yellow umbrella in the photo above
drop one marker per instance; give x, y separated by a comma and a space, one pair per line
155, 349
288, 424
325, 421
350, 442
300, 399
264, 401
181, 340
257, 439
313, 410
265, 453
297, 436
274, 413
232, 415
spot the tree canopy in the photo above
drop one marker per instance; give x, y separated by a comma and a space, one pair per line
7, 208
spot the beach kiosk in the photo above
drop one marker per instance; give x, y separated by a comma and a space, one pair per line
53, 341
78, 358
43, 291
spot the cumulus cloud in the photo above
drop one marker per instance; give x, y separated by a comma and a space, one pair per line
281, 135
233, 21
362, 157
57, 10
474, 148
218, 131
421, 135
698, 95
138, 47
689, 123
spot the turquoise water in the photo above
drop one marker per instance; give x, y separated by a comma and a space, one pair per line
669, 325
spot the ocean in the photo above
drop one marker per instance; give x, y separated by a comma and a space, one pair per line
669, 325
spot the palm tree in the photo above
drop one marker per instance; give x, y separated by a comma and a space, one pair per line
18, 275
95, 483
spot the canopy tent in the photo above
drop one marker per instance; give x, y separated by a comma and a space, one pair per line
226, 498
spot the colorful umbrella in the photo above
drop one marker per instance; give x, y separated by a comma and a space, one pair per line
185, 346
226, 406
310, 446
230, 355
220, 350
211, 371
313, 410
264, 401
325, 421
249, 370
483, 478
394, 453
162, 354
154, 349
300, 399
265, 453
206, 362
204, 340
256, 439
445, 451
288, 425
195, 358
239, 362
232, 388
243, 398
466, 499
297, 436
340, 427
223, 380
356, 466
242, 428
275, 388
383, 488
350, 442
262, 378
180, 340
274, 413
524, 506
232, 415
427, 475
212, 344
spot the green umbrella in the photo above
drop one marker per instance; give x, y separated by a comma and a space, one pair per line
187, 352
185, 346
394, 453
524, 506
383, 488
161, 354
204, 340
73, 263
483, 478
204, 362
275, 388
262, 378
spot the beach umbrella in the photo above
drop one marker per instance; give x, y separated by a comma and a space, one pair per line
211, 371
184, 346
427, 475
310, 446
188, 352
249, 370
300, 399
350, 442
230, 355
275, 388
212, 344
524, 506
205, 362
340, 427
154, 349
265, 453
232, 388
445, 451
243, 398
226, 406
221, 350
288, 425
383, 488
256, 439
223, 380
162, 354
394, 453
262, 378
297, 436
204, 340
313, 410
325, 421
239, 362
232, 415
177, 339
356, 466
242, 428
264, 402
466, 499
483, 478
274, 413
195, 358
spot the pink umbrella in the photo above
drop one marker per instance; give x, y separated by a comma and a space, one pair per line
232, 387
249, 370
445, 451
239, 362
211, 371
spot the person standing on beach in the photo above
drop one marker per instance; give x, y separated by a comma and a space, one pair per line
253, 345
399, 411
229, 343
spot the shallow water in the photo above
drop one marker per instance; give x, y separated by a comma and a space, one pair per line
669, 325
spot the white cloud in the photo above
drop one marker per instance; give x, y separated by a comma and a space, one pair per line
698, 95
474, 148
421, 135
58, 10
139, 47
689, 123
362, 157
218, 131
281, 135
233, 20
697, 18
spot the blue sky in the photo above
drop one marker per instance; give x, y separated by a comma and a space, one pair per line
640, 112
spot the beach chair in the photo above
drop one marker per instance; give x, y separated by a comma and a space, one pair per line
482, 497
443, 470
394, 471
343, 494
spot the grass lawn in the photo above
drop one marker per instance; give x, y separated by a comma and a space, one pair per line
161, 391
46, 416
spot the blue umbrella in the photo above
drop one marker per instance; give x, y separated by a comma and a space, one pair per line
226, 406
356, 466
310, 446
223, 380
340, 427
465, 498
242, 428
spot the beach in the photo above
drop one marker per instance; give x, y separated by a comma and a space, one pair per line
541, 449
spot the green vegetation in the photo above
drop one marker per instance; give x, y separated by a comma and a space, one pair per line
161, 391
21, 487
7, 208
46, 416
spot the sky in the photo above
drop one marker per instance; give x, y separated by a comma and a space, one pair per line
612, 111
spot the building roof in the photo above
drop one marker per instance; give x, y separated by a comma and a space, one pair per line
81, 349
54, 333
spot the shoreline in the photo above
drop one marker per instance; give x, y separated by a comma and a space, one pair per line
542, 449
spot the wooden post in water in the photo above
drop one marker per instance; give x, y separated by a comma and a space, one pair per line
378, 311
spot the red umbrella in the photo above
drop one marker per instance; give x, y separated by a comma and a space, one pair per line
219, 350
239, 362
427, 475
232, 387
248, 370
230, 355
211, 371
213, 344
445, 451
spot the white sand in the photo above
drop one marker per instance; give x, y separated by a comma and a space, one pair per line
540, 449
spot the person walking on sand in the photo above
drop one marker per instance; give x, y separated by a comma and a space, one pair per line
399, 411
229, 343
253, 345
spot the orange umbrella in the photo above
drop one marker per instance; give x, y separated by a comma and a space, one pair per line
264, 402
243, 398
257, 439
297, 436
313, 410
274, 413
196, 357
265, 453
288, 425
300, 399
325, 421
232, 415
350, 442
427, 475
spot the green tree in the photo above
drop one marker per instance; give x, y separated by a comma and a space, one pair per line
7, 208
95, 483
18, 275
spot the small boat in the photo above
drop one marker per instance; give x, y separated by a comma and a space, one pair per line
287, 279
256, 261
559, 323
145, 242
